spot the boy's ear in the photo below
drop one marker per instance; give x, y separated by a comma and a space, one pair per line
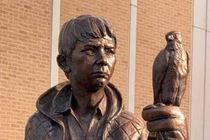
62, 63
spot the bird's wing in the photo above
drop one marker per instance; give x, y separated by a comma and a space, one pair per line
159, 71
182, 84
188, 61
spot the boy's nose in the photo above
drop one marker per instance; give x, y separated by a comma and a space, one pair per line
102, 59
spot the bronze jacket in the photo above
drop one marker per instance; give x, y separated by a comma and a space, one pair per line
47, 123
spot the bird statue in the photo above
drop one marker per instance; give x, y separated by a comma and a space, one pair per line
170, 70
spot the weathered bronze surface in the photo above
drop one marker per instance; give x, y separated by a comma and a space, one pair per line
164, 118
88, 106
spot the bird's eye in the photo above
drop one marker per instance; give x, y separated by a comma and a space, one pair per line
170, 37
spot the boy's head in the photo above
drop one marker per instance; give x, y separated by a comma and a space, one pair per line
82, 29
78, 33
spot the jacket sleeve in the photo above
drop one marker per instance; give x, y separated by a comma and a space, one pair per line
144, 134
36, 128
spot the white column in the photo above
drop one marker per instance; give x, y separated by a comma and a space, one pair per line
54, 42
207, 92
200, 113
198, 65
132, 55
207, 78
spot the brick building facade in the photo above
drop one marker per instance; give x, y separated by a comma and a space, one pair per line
28, 43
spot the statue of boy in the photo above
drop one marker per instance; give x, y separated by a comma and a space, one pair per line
88, 107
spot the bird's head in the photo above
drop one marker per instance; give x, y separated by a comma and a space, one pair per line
173, 36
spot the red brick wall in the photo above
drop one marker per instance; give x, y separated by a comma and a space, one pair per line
155, 18
24, 62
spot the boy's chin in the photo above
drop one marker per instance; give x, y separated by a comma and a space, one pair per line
96, 86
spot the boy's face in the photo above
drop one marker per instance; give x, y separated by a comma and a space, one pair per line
92, 63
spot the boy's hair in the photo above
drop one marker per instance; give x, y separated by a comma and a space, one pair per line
82, 29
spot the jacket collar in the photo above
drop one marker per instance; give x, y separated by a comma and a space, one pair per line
102, 106
57, 100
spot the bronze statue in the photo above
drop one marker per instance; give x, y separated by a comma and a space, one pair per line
170, 70
88, 106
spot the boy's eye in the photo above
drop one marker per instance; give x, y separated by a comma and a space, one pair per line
89, 51
110, 51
